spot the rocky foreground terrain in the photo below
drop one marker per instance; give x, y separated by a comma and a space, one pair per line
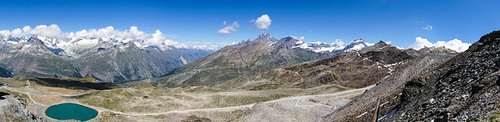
389, 89
463, 88
466, 88
14, 109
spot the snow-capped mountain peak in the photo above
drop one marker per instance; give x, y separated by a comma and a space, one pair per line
338, 45
355, 45
319, 47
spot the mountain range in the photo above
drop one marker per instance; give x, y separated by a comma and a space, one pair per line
107, 60
352, 70
328, 82
265, 51
117, 61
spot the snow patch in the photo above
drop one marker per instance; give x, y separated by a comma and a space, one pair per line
183, 60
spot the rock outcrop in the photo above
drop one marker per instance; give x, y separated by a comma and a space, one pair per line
14, 109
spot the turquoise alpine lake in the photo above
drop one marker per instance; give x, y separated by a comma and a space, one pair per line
71, 111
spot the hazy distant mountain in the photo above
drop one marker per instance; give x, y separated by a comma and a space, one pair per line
236, 60
106, 59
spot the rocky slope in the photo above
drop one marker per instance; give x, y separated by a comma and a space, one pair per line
361, 108
5, 73
13, 109
355, 70
234, 61
465, 88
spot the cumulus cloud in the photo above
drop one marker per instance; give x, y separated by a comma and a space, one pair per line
42, 30
428, 27
159, 39
110, 32
420, 43
263, 22
338, 42
454, 44
229, 29
298, 38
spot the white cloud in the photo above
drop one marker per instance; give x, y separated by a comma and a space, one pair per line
44, 30
229, 29
338, 42
27, 29
298, 38
428, 27
159, 39
17, 32
263, 22
420, 43
454, 44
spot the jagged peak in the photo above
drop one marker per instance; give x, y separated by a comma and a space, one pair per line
288, 38
267, 35
265, 38
130, 43
361, 40
382, 43
35, 40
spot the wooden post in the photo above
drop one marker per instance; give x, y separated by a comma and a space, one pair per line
375, 114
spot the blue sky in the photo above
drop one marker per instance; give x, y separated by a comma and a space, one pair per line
197, 22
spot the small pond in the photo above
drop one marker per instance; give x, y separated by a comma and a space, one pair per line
68, 111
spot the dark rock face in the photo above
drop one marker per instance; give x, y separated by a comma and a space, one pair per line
5, 73
466, 88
